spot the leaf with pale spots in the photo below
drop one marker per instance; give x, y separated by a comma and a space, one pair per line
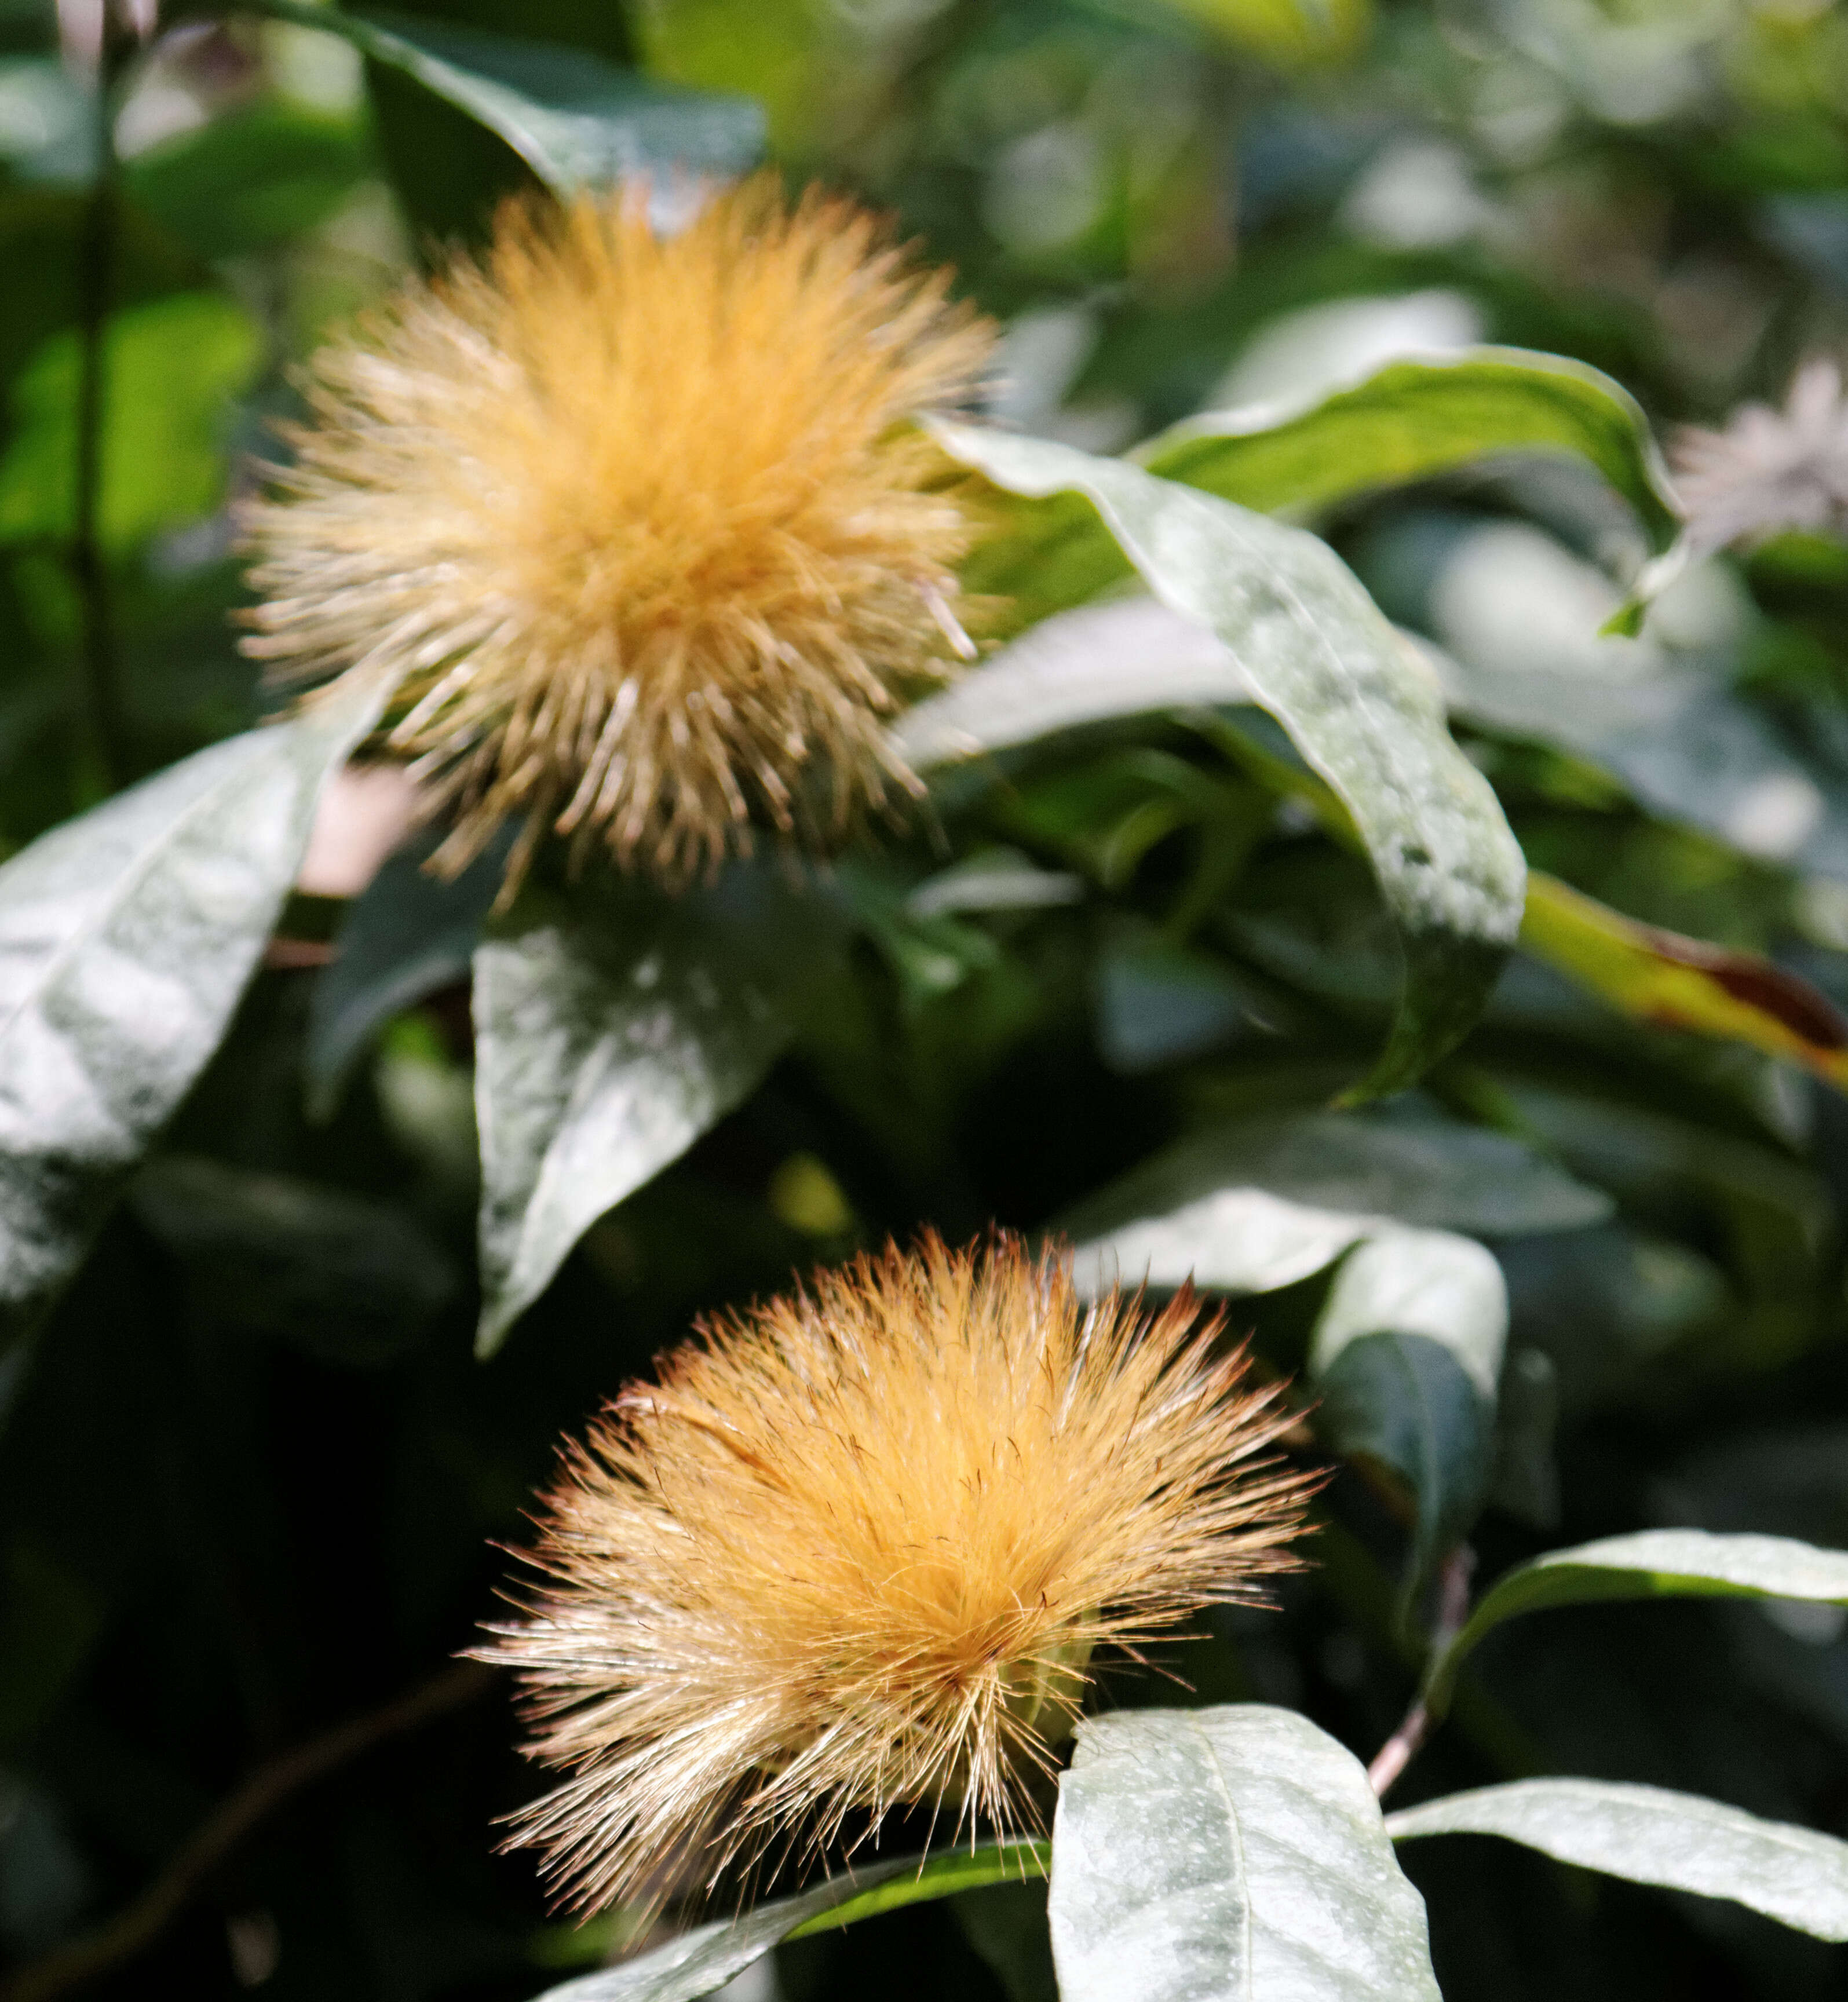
1235, 1854
1305, 642
612, 1030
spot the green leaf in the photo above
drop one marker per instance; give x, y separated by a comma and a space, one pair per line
1650, 1836
1673, 982
1406, 1352
576, 121
256, 177
1414, 418
1351, 1168
1516, 615
1070, 670
1006, 1923
1652, 1564
1235, 1854
1363, 711
1288, 32
1409, 420
610, 1032
699, 1961
408, 933
1406, 1356
1406, 1403
1433, 1284
173, 369
126, 938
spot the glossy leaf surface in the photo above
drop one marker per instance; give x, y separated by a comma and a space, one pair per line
1359, 706
1408, 421
610, 1031
1184, 1210
1232, 1855
126, 938
576, 121
1419, 417
1653, 1564
1651, 1835
704, 1959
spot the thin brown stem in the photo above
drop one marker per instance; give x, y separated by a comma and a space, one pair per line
1453, 1609
139, 1924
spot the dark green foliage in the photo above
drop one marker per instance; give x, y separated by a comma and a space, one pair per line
1580, 1278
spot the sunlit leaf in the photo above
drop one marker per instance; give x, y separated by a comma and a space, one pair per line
610, 1031
173, 369
1407, 421
1085, 666
1405, 1355
1233, 1854
1344, 1173
704, 1959
1419, 417
1683, 983
1652, 1564
126, 938
1406, 1402
1360, 707
1433, 1284
576, 120
1650, 1836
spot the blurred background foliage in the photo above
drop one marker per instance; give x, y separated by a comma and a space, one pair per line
251, 1479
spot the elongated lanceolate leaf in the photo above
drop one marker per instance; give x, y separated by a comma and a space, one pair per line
1235, 1854
1651, 1565
1418, 416
1650, 1836
576, 120
1407, 1357
1406, 1352
1415, 417
1085, 666
610, 1031
1430, 1283
1363, 1171
1362, 709
126, 939
699, 1961
1683, 983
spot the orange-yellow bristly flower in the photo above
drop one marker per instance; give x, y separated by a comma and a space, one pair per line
640, 520
855, 1548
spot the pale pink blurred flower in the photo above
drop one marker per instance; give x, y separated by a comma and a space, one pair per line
1769, 469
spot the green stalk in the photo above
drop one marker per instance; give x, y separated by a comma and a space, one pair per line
99, 667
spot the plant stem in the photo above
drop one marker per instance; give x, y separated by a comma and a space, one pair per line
96, 285
139, 1924
1453, 1609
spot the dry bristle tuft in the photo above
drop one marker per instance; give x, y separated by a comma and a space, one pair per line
640, 522
856, 1548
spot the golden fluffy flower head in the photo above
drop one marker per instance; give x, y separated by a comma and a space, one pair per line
855, 1548
640, 521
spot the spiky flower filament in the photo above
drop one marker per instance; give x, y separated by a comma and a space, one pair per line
639, 520
857, 1547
